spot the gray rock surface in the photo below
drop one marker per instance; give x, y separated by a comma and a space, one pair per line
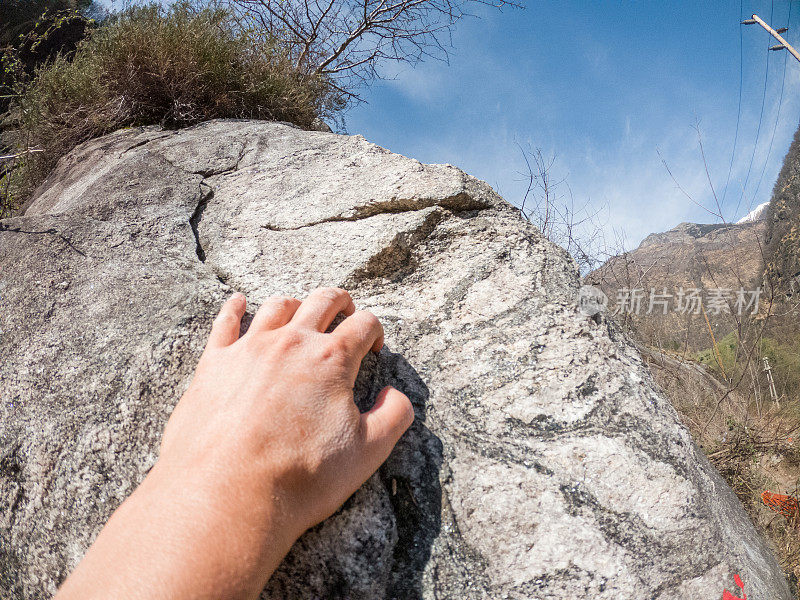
543, 463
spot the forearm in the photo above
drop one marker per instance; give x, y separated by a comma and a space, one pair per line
177, 537
265, 443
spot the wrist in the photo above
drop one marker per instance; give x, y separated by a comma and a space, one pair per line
218, 494
211, 525
183, 535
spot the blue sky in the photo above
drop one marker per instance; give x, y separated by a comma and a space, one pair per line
604, 87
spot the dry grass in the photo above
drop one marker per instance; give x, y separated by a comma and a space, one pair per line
152, 65
754, 443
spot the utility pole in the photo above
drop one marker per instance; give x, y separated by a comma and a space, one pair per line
756, 20
772, 391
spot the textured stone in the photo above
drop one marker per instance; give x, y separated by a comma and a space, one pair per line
782, 251
543, 462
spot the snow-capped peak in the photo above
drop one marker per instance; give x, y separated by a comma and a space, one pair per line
754, 215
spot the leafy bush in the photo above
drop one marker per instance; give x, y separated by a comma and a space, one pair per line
19, 17
149, 65
53, 33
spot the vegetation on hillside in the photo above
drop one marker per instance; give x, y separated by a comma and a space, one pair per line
33, 33
782, 260
153, 65
19, 17
782, 354
288, 60
718, 382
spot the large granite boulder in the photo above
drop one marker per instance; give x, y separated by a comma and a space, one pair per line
543, 463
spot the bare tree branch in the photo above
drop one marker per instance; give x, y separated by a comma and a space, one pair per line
553, 211
347, 40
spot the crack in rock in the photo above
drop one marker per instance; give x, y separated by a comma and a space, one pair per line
50, 231
206, 193
461, 202
197, 216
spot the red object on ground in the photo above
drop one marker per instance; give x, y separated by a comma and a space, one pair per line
788, 506
726, 595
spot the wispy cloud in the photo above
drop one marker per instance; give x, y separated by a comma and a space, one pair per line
603, 97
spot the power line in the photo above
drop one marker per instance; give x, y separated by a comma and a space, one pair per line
738, 110
777, 117
760, 119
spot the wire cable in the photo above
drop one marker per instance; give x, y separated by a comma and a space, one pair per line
760, 119
777, 118
738, 110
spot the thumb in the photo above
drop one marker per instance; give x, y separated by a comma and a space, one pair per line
384, 424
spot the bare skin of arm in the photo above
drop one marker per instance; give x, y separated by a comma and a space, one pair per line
265, 443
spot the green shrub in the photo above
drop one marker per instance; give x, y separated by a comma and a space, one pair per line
783, 355
149, 65
727, 352
784, 358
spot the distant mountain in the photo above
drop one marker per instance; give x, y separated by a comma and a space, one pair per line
669, 270
761, 250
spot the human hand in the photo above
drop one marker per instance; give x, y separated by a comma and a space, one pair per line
265, 443
275, 408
